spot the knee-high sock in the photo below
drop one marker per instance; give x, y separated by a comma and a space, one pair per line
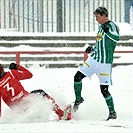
77, 90
56, 107
110, 103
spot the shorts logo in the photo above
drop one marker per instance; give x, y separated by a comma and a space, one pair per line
103, 74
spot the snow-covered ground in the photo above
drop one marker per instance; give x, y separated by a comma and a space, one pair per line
92, 113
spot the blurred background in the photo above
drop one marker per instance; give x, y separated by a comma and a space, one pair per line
60, 15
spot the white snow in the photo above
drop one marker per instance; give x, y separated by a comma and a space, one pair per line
92, 113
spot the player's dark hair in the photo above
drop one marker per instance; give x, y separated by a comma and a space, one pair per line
101, 10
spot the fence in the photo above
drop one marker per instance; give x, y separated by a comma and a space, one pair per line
59, 15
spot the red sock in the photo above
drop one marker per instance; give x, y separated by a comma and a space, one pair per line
59, 112
56, 107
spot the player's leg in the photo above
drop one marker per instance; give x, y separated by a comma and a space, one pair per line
56, 107
62, 114
109, 101
104, 74
84, 71
77, 89
78, 84
39, 91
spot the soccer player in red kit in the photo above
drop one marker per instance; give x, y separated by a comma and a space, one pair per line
12, 92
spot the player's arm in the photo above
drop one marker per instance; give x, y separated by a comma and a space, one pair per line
112, 31
20, 72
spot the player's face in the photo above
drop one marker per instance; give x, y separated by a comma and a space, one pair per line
99, 18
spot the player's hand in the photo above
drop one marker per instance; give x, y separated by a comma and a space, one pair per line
13, 66
105, 28
88, 50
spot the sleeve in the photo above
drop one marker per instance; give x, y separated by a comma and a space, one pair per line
21, 73
113, 33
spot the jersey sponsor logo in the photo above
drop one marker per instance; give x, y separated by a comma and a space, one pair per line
99, 37
18, 96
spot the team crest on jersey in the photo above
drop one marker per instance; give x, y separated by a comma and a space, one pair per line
99, 37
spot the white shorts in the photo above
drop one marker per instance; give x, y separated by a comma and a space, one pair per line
103, 71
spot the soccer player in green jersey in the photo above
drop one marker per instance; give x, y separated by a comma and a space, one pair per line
100, 60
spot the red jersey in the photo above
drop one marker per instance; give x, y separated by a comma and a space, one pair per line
11, 89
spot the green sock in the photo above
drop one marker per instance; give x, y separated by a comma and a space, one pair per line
77, 89
110, 103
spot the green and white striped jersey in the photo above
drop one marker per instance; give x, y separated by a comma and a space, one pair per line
104, 47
